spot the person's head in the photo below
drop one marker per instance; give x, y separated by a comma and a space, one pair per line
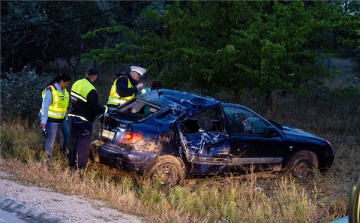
137, 72
63, 80
204, 123
92, 73
156, 85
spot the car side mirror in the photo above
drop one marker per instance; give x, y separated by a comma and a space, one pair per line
270, 131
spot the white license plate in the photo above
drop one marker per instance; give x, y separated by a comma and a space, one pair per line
108, 134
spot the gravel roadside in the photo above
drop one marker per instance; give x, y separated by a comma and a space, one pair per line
69, 207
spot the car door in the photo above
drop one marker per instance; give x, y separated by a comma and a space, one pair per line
249, 143
204, 140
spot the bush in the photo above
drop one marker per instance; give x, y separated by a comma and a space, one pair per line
21, 93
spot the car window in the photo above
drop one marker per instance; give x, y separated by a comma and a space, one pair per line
139, 109
244, 121
207, 121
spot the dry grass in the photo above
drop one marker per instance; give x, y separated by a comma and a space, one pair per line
253, 198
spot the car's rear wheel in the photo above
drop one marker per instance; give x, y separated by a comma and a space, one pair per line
94, 154
167, 170
301, 163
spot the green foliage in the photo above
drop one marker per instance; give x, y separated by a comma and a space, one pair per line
40, 33
18, 16
21, 93
44, 33
110, 53
233, 46
346, 92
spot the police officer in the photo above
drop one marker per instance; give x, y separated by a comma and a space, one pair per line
125, 85
84, 108
53, 111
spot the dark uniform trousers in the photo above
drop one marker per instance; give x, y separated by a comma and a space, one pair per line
80, 138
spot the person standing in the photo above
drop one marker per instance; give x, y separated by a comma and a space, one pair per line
84, 108
125, 85
156, 85
53, 112
63, 133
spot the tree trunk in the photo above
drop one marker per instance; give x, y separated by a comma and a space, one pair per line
236, 97
269, 99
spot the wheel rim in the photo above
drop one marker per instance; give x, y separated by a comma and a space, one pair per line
166, 174
301, 170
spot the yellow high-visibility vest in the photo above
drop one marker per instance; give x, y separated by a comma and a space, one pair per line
80, 91
114, 98
59, 105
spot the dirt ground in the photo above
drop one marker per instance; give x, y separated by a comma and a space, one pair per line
69, 207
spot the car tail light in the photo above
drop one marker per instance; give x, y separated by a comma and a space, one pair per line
130, 137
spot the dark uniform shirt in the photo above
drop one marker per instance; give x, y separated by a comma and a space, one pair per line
122, 85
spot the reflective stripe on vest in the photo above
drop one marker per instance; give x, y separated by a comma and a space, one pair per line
59, 105
80, 117
78, 96
114, 98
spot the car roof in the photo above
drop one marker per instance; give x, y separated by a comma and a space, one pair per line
234, 105
193, 103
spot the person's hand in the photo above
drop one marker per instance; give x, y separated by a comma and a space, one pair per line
42, 125
139, 86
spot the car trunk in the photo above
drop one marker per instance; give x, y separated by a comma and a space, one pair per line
112, 128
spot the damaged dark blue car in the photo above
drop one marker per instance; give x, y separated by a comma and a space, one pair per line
173, 135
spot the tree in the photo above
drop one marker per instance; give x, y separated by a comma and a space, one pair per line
20, 16
40, 33
234, 46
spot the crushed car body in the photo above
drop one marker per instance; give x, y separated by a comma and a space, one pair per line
173, 134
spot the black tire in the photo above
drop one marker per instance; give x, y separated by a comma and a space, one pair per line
94, 154
354, 203
168, 170
301, 163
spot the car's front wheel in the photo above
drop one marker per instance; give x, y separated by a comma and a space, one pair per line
354, 202
301, 163
168, 170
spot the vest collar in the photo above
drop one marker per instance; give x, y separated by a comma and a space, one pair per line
89, 81
58, 88
133, 82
